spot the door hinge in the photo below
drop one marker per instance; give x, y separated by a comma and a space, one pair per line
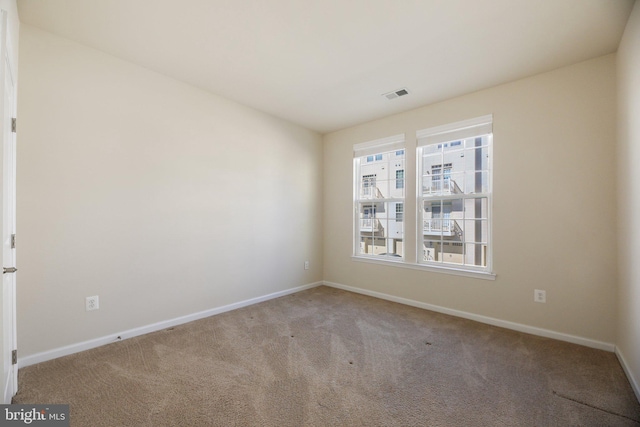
13, 241
14, 124
14, 357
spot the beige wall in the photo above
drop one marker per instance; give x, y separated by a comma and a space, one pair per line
554, 206
162, 199
628, 340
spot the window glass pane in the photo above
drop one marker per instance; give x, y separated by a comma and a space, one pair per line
431, 251
377, 245
432, 218
432, 174
379, 204
478, 141
476, 182
476, 208
371, 245
362, 247
455, 226
393, 249
368, 222
384, 189
452, 253
456, 183
476, 159
452, 157
431, 149
368, 184
475, 254
476, 231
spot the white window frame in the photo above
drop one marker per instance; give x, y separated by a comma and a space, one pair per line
480, 126
413, 228
361, 152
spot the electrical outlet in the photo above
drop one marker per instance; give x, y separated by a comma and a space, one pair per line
306, 265
539, 295
92, 303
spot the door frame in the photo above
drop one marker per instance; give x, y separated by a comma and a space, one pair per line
8, 165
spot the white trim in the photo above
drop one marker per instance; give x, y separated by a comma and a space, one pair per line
97, 342
635, 385
482, 319
9, 390
428, 267
390, 143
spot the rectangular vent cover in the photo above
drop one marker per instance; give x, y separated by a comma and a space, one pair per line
396, 93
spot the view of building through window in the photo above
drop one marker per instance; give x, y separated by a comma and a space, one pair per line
454, 202
379, 203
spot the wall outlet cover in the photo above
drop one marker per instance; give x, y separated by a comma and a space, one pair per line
92, 303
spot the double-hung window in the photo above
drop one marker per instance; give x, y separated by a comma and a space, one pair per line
454, 195
447, 217
379, 198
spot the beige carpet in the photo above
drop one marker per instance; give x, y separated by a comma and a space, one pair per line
325, 357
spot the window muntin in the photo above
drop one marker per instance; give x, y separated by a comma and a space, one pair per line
379, 193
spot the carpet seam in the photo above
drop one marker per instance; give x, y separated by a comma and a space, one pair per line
595, 407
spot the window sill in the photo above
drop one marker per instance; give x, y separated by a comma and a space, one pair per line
435, 269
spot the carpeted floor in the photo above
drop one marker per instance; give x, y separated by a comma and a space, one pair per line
326, 357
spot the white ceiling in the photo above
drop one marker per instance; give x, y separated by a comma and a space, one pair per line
324, 64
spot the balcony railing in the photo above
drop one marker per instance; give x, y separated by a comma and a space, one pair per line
441, 226
371, 193
370, 225
441, 186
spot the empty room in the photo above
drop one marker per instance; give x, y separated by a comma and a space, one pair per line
320, 213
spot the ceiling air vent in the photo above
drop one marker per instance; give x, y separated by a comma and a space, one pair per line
396, 93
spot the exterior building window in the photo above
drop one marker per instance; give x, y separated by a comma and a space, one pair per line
399, 212
368, 184
379, 199
454, 195
400, 178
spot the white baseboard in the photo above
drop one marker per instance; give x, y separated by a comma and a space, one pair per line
482, 319
632, 380
97, 342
